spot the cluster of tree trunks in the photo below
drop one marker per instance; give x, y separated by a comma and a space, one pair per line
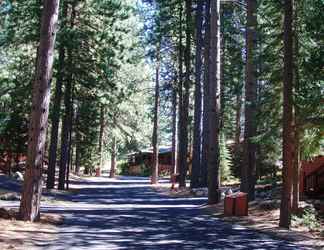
205, 163
207, 117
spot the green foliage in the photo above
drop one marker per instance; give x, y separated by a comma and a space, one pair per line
112, 46
225, 160
308, 219
122, 167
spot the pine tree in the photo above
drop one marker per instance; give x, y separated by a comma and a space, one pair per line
196, 161
288, 135
213, 105
32, 188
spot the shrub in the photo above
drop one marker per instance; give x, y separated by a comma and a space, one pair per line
308, 219
122, 168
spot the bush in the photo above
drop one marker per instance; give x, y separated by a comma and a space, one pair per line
122, 168
307, 219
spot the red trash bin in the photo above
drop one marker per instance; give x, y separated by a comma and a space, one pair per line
98, 172
236, 204
229, 205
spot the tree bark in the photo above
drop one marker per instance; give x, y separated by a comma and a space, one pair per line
101, 134
248, 175
238, 119
174, 130
55, 122
56, 109
70, 151
297, 129
67, 121
205, 132
180, 89
214, 105
196, 159
32, 188
77, 157
183, 147
77, 144
155, 163
288, 126
113, 159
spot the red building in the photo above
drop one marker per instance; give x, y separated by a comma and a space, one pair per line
312, 177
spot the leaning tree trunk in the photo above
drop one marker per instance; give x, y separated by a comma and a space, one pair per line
196, 159
205, 128
155, 162
248, 174
288, 121
113, 159
32, 188
214, 105
183, 147
67, 121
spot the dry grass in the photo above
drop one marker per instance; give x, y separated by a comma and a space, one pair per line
21, 235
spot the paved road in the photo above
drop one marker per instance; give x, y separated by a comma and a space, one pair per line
127, 214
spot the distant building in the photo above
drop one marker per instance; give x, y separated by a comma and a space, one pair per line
312, 177
144, 159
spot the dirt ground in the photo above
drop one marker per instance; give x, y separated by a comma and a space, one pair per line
15, 234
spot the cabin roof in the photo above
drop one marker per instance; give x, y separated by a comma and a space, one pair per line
162, 150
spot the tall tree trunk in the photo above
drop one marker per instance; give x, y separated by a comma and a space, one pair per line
77, 144
174, 130
32, 188
180, 89
155, 163
248, 175
56, 109
297, 132
205, 134
183, 147
222, 84
113, 159
288, 121
213, 105
101, 134
296, 172
67, 121
196, 159
55, 123
238, 119
69, 160
77, 156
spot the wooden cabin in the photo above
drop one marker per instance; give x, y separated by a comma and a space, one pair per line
312, 177
142, 158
